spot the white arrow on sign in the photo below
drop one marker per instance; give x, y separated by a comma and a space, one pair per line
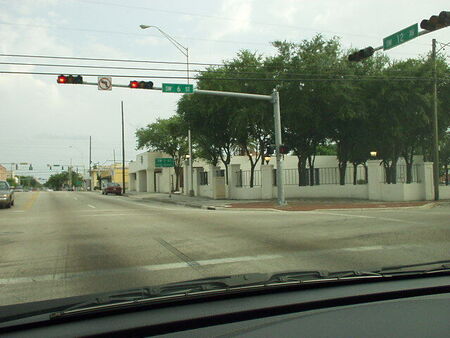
104, 83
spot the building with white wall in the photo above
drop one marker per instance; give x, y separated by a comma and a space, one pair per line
144, 176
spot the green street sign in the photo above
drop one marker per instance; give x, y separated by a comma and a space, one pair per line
177, 88
400, 37
164, 162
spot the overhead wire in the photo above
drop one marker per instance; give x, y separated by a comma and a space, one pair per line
160, 69
335, 78
126, 61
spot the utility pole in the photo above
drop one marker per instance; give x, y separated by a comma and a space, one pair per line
90, 162
435, 126
278, 142
191, 173
123, 152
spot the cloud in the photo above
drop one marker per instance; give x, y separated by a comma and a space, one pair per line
240, 13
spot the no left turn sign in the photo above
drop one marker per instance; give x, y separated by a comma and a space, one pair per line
104, 83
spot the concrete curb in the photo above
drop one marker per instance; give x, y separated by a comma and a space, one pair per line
184, 204
227, 207
425, 206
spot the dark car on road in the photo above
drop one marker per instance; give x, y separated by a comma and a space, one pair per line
6, 195
112, 188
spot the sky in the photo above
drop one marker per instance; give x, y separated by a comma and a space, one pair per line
43, 122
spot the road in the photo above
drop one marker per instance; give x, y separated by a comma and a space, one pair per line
60, 244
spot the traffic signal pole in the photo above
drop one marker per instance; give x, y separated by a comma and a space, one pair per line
435, 127
274, 98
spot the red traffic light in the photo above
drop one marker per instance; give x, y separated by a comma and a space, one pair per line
62, 79
284, 149
78, 79
141, 84
134, 84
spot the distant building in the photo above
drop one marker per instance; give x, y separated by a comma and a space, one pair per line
3, 173
111, 173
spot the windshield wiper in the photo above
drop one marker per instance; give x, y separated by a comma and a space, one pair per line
421, 268
243, 282
134, 296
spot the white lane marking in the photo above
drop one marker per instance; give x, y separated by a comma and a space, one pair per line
18, 211
365, 248
91, 206
76, 199
362, 216
156, 267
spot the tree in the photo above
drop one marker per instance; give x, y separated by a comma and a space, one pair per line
168, 136
29, 182
307, 106
60, 180
445, 155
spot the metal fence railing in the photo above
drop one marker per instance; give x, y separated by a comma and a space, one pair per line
203, 178
402, 176
243, 178
322, 176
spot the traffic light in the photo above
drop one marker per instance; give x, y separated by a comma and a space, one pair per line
141, 84
78, 79
361, 54
436, 22
284, 149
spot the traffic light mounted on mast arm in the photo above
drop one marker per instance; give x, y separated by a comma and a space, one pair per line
70, 79
141, 84
361, 54
436, 22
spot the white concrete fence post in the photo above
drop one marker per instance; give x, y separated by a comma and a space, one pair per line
375, 177
426, 173
267, 181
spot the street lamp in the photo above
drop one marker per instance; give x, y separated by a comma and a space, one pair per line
373, 154
267, 159
179, 46
185, 52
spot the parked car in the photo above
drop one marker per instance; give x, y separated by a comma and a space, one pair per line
18, 188
6, 195
112, 188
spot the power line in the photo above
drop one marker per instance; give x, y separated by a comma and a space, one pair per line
128, 61
335, 78
164, 69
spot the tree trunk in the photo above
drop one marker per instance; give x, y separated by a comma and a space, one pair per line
342, 170
366, 173
409, 163
409, 177
355, 173
252, 174
311, 169
301, 166
177, 178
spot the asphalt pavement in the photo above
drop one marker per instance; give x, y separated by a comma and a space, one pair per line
60, 244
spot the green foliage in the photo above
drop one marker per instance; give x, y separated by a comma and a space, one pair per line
328, 106
168, 136
11, 182
29, 182
61, 180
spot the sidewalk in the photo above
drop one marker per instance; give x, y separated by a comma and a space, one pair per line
293, 204
178, 199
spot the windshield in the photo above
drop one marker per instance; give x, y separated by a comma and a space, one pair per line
158, 142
